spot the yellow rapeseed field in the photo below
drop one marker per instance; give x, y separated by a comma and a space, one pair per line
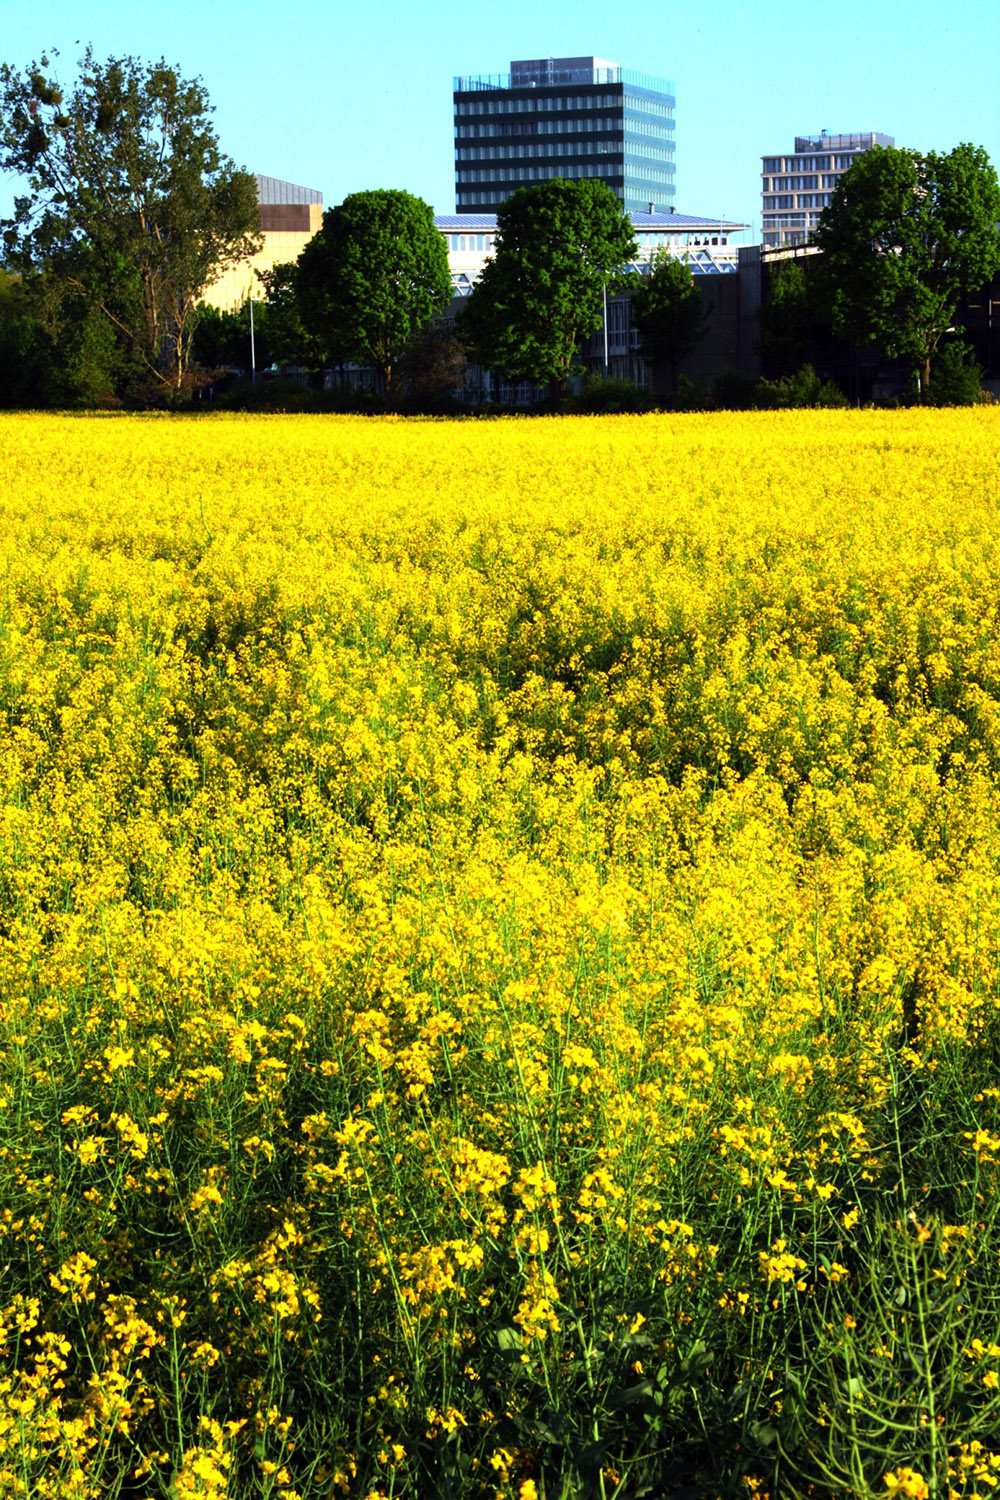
500, 957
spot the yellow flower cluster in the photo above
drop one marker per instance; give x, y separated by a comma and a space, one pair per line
499, 931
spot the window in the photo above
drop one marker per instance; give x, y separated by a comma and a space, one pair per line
813, 200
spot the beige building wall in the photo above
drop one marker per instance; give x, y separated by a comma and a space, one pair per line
287, 228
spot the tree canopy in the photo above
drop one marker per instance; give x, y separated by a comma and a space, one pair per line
559, 244
788, 317
668, 311
372, 276
904, 236
131, 204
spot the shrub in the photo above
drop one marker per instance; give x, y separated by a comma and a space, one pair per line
957, 377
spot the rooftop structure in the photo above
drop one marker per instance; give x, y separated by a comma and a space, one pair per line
564, 117
796, 188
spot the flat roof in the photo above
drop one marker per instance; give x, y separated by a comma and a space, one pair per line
485, 223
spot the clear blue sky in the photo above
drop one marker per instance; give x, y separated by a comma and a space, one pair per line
342, 97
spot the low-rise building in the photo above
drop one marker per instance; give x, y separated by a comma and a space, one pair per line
709, 246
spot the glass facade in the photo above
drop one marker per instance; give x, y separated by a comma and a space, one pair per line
568, 117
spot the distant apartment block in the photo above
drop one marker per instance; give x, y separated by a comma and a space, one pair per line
289, 217
795, 189
564, 117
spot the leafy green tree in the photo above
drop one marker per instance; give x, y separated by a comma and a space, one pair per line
56, 349
432, 369
222, 338
372, 276
903, 238
957, 378
559, 244
668, 311
787, 318
291, 342
131, 204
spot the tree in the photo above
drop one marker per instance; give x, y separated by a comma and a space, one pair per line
432, 369
787, 318
559, 245
55, 348
668, 311
131, 204
372, 276
222, 338
289, 341
957, 378
904, 236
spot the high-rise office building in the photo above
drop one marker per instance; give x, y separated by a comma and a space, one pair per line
795, 189
564, 117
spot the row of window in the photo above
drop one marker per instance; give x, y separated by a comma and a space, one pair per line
572, 125
636, 151
481, 199
604, 147
789, 184
791, 200
529, 174
638, 121
796, 163
790, 221
807, 163
505, 104
469, 241
798, 184
564, 125
641, 171
466, 175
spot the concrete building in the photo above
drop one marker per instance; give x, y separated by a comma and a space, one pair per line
564, 117
796, 188
289, 217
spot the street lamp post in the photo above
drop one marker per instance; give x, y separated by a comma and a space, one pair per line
253, 356
605, 296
